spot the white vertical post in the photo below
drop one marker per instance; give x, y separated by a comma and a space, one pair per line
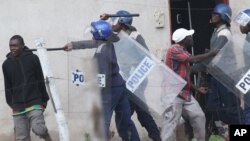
61, 121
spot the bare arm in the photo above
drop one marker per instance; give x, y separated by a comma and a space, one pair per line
202, 57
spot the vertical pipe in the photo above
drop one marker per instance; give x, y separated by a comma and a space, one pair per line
61, 121
191, 27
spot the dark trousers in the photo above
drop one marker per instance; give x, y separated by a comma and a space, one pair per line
222, 104
247, 108
116, 100
247, 115
146, 120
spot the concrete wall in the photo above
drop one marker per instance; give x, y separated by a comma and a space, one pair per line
61, 21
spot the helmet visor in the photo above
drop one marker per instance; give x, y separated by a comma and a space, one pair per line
88, 32
242, 19
114, 20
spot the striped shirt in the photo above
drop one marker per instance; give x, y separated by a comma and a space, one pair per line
176, 59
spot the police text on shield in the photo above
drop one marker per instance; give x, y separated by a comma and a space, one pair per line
140, 73
244, 84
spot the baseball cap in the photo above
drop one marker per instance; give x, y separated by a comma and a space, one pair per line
180, 34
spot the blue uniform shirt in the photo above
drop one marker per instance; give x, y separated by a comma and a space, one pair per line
107, 64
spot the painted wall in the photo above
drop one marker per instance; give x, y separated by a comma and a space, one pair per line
62, 21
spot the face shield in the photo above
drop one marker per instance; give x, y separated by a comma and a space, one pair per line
113, 20
91, 33
87, 32
242, 18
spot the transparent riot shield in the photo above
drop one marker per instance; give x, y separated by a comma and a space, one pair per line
84, 97
231, 66
153, 86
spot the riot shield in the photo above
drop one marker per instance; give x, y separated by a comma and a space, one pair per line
84, 96
152, 84
231, 66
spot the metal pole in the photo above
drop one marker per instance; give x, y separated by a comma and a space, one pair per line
191, 27
61, 121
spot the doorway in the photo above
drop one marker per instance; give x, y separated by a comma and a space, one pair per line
194, 14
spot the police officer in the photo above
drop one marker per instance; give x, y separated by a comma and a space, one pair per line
222, 105
114, 93
245, 29
146, 120
125, 24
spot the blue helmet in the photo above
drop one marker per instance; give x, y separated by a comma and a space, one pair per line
247, 11
243, 18
101, 30
124, 20
224, 11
